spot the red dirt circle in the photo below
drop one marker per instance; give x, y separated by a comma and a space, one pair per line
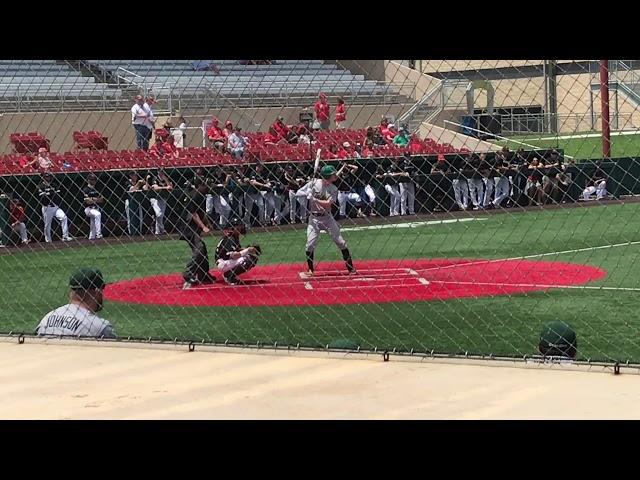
378, 281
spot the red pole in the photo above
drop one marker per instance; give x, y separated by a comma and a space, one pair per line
604, 102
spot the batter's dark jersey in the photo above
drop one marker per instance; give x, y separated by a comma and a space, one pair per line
226, 245
192, 203
48, 195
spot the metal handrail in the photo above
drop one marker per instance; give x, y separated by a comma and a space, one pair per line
426, 97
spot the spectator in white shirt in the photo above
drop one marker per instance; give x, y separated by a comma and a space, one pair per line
150, 121
180, 133
237, 143
139, 121
42, 161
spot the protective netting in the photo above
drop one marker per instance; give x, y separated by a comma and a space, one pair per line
472, 207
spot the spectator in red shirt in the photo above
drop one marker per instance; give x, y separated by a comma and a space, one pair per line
216, 135
388, 132
341, 114
283, 130
272, 137
343, 151
322, 110
161, 148
16, 220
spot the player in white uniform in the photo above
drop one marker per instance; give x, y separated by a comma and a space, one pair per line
78, 318
322, 195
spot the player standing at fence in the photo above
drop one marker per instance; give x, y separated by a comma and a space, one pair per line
323, 195
193, 225
133, 184
50, 200
17, 219
390, 180
161, 187
346, 184
501, 179
407, 186
487, 170
218, 198
460, 186
476, 185
93, 199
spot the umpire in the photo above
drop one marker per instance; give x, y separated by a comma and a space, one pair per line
193, 224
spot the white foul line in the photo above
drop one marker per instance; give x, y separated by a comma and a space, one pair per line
423, 281
538, 285
535, 255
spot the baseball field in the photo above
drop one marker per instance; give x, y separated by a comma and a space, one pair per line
476, 283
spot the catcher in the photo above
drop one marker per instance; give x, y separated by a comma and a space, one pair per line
231, 258
322, 195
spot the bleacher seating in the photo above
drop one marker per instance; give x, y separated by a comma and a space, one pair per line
285, 78
106, 160
26, 85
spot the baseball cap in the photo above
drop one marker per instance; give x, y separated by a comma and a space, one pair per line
92, 176
328, 171
86, 279
234, 223
346, 144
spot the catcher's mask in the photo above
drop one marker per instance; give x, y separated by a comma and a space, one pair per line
236, 225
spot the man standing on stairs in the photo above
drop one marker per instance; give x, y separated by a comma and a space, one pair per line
139, 121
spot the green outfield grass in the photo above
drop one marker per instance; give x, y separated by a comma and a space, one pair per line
607, 322
589, 148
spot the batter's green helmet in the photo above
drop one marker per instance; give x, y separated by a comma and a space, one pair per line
558, 339
328, 171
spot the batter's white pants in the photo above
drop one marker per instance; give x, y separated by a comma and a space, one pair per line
344, 198
249, 200
502, 189
394, 200
461, 192
269, 206
159, 206
407, 198
600, 189
22, 229
489, 185
476, 189
126, 208
294, 202
47, 214
95, 222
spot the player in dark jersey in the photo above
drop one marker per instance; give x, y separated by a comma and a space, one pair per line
194, 224
93, 199
231, 258
50, 200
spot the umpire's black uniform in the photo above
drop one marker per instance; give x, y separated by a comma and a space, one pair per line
195, 203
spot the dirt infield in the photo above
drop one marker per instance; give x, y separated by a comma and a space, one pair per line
101, 382
378, 281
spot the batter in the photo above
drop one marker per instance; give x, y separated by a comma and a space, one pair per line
322, 195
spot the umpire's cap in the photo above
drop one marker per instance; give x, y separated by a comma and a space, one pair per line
328, 171
558, 339
236, 223
86, 279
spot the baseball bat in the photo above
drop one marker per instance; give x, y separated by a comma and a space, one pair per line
316, 164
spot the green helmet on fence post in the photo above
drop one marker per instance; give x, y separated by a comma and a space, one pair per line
558, 339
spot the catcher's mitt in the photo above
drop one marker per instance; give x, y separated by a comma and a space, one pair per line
258, 249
